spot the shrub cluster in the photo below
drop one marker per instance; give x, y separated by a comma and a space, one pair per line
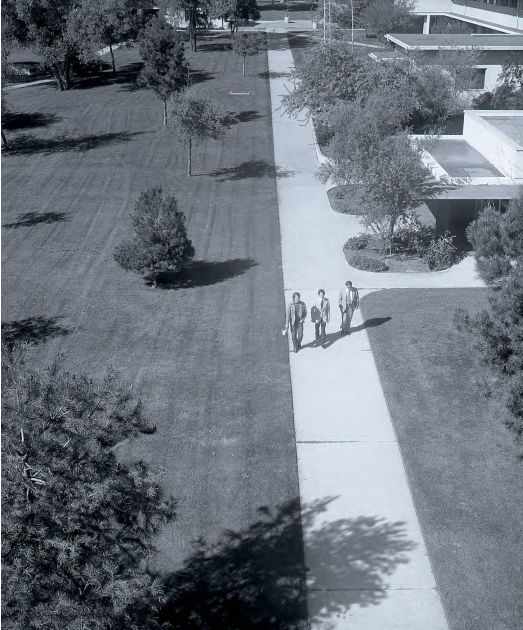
366, 263
441, 253
357, 242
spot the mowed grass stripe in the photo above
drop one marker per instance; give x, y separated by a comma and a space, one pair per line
208, 361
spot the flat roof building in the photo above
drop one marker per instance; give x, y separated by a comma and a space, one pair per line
493, 49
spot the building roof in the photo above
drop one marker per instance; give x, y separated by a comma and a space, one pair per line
420, 41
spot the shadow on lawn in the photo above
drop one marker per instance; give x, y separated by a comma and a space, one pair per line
24, 120
268, 74
33, 330
200, 76
202, 273
250, 169
125, 76
29, 219
257, 579
31, 145
245, 116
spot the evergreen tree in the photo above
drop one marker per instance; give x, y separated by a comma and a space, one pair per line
160, 241
497, 335
164, 71
77, 524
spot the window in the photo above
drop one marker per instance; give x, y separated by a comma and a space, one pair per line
512, 4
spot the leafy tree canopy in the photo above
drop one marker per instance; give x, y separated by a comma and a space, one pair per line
164, 70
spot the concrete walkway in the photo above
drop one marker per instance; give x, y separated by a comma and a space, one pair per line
368, 566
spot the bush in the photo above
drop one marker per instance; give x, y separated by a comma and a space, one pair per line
160, 242
357, 242
413, 237
366, 263
441, 253
347, 207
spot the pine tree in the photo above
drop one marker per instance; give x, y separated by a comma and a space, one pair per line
77, 524
160, 241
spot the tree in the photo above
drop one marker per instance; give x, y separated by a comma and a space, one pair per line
77, 523
508, 94
248, 45
100, 23
394, 184
193, 118
160, 242
44, 26
194, 12
448, 26
497, 336
388, 16
164, 70
329, 74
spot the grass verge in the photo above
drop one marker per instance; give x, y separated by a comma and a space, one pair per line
464, 469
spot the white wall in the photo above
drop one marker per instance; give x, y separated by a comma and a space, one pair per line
473, 12
501, 151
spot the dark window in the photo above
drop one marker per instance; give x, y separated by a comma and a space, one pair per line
512, 4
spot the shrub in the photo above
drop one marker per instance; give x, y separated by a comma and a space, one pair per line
366, 263
441, 253
347, 207
413, 237
357, 242
160, 242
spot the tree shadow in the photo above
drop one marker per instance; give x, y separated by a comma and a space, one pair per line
206, 46
257, 578
202, 273
245, 116
200, 76
23, 120
33, 330
251, 169
268, 74
29, 219
126, 76
31, 145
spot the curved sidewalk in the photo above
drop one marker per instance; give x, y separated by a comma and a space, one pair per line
348, 456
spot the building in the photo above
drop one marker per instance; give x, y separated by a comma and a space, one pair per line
493, 50
482, 166
484, 16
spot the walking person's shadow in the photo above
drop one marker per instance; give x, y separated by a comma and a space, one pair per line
332, 338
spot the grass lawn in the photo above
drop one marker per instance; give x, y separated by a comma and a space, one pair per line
207, 356
277, 10
464, 470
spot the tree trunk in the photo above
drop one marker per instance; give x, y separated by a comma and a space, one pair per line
112, 57
4, 140
391, 233
244, 65
57, 75
189, 158
165, 113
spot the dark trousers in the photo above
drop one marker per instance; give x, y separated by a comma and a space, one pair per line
297, 334
346, 317
320, 326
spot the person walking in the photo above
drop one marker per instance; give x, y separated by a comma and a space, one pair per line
320, 315
295, 316
348, 301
